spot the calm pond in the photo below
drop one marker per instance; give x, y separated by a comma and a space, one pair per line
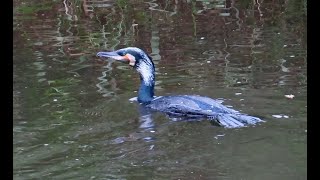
73, 118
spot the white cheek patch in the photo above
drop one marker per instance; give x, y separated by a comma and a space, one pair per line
132, 62
132, 59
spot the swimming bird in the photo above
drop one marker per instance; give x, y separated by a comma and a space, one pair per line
187, 106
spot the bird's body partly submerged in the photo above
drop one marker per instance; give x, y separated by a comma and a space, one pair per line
185, 106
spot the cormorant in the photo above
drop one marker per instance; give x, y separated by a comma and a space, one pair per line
188, 106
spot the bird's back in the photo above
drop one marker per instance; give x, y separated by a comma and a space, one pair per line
189, 105
194, 106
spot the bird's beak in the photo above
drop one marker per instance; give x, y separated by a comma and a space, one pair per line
114, 55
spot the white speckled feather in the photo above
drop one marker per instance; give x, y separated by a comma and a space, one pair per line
146, 72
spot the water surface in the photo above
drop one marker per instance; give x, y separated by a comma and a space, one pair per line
72, 116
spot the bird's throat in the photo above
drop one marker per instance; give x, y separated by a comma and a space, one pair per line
146, 93
147, 78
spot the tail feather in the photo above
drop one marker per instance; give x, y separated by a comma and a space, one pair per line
235, 120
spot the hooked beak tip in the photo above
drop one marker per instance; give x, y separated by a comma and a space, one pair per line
99, 54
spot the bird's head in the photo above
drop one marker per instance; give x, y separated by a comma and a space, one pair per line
134, 56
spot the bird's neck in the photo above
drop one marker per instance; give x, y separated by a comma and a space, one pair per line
147, 78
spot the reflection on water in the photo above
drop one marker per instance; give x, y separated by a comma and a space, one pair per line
72, 114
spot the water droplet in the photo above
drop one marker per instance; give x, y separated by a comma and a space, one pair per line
277, 116
289, 96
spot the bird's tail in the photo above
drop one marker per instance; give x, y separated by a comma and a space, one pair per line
234, 120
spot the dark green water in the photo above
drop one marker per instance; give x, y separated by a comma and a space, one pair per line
72, 118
